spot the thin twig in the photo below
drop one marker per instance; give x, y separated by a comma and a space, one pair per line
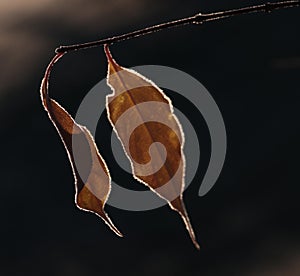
196, 19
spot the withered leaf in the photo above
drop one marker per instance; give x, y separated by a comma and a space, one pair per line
92, 178
151, 135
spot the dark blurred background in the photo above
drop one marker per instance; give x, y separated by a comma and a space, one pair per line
248, 224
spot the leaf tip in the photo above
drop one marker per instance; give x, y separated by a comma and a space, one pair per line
112, 226
178, 206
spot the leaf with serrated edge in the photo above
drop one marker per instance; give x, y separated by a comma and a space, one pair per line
92, 178
143, 119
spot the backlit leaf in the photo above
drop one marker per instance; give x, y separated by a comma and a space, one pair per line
151, 135
92, 178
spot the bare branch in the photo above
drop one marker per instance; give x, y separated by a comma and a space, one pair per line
196, 19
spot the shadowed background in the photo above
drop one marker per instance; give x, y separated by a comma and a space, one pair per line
247, 224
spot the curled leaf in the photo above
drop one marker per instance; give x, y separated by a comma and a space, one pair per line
151, 135
92, 178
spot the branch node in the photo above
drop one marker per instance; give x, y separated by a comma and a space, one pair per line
198, 18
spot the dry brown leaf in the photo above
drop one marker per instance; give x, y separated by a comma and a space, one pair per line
92, 178
143, 119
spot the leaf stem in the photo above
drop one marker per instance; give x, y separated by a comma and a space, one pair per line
196, 19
